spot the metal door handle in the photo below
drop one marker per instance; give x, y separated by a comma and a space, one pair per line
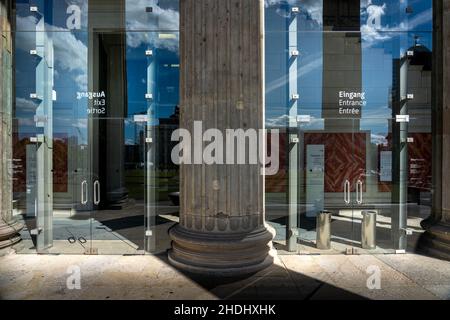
97, 192
347, 192
84, 194
359, 192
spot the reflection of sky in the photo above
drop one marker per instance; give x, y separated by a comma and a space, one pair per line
309, 63
71, 67
380, 47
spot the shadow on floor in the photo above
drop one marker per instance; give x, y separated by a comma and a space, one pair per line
273, 283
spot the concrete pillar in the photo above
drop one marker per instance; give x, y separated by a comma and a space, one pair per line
222, 229
9, 227
436, 240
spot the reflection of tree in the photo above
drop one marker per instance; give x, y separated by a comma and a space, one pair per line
20, 154
60, 163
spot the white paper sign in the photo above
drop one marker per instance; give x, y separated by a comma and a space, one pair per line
315, 179
386, 166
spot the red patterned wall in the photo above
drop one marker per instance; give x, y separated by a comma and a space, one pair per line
345, 158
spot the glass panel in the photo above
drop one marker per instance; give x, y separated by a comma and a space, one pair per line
398, 181
331, 156
380, 210
117, 188
75, 44
420, 170
138, 74
25, 180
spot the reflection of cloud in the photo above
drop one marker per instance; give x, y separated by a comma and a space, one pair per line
25, 105
372, 34
422, 18
70, 53
280, 121
161, 20
81, 123
315, 63
283, 122
314, 8
25, 39
378, 139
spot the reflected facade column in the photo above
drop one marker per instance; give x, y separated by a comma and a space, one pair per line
9, 227
222, 228
436, 240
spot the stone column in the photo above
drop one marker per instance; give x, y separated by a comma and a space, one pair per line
9, 227
222, 229
436, 240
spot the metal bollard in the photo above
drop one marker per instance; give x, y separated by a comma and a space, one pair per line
369, 230
323, 230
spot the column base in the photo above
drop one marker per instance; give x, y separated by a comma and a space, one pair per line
436, 240
218, 254
9, 233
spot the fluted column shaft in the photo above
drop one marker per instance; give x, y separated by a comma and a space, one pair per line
9, 227
436, 240
221, 226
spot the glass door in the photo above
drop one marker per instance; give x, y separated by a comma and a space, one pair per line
379, 208
330, 177
354, 185
114, 183
116, 186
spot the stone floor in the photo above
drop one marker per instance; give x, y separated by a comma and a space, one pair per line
291, 277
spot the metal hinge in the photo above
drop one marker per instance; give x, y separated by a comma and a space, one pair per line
91, 251
400, 118
35, 232
351, 251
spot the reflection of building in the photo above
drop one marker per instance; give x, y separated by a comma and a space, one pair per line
418, 73
135, 153
164, 140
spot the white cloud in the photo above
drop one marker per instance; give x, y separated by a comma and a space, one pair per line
160, 20
379, 139
372, 34
71, 55
25, 36
280, 121
25, 105
314, 8
69, 52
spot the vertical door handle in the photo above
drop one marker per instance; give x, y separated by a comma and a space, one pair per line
347, 192
359, 192
84, 194
97, 192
